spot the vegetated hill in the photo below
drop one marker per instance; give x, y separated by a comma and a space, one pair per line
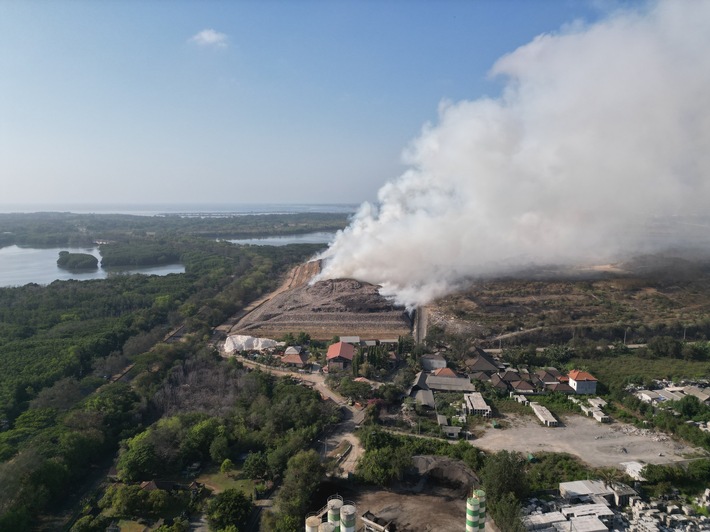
325, 309
645, 297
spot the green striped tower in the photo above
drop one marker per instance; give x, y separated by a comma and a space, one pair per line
347, 518
481, 509
476, 511
334, 505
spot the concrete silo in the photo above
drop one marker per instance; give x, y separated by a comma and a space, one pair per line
348, 518
335, 503
476, 511
313, 523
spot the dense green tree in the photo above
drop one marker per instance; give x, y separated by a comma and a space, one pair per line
231, 507
77, 261
125, 500
507, 514
689, 406
382, 466
256, 465
138, 461
303, 474
227, 466
504, 472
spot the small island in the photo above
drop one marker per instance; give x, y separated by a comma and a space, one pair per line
77, 261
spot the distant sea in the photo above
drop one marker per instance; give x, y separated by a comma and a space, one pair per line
184, 209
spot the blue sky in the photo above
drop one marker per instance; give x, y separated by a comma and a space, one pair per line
301, 101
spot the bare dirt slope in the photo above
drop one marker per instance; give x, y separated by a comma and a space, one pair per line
638, 297
324, 309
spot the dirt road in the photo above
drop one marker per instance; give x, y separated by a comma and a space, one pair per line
352, 416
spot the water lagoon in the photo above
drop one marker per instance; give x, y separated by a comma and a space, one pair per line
320, 237
21, 265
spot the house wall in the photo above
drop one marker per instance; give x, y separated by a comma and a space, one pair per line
584, 387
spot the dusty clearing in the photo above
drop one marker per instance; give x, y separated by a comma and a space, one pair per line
599, 445
416, 512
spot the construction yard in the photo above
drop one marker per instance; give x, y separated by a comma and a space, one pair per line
597, 444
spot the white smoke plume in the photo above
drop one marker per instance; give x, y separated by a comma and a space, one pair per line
598, 129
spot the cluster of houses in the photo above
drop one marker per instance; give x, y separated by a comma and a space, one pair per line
521, 384
484, 368
674, 393
339, 357
438, 380
436, 376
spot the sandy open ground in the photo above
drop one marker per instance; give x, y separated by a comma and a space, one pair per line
417, 512
599, 445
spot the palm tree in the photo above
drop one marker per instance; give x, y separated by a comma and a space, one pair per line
610, 476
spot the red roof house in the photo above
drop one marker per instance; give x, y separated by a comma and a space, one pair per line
298, 359
582, 382
340, 355
444, 372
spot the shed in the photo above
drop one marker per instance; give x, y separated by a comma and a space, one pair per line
449, 384
481, 362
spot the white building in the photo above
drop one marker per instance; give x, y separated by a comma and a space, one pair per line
474, 404
582, 382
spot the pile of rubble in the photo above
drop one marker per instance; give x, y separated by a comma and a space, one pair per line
704, 500
646, 433
658, 516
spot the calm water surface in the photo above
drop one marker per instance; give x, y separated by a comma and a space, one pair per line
322, 237
20, 265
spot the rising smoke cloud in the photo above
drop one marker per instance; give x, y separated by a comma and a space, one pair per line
597, 130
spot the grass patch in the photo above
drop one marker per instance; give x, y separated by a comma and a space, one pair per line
557, 404
508, 406
621, 369
127, 525
219, 482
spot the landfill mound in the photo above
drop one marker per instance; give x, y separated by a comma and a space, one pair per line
335, 307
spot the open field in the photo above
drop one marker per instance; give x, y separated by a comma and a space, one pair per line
599, 445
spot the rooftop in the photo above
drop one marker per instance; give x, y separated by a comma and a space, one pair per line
579, 375
342, 350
